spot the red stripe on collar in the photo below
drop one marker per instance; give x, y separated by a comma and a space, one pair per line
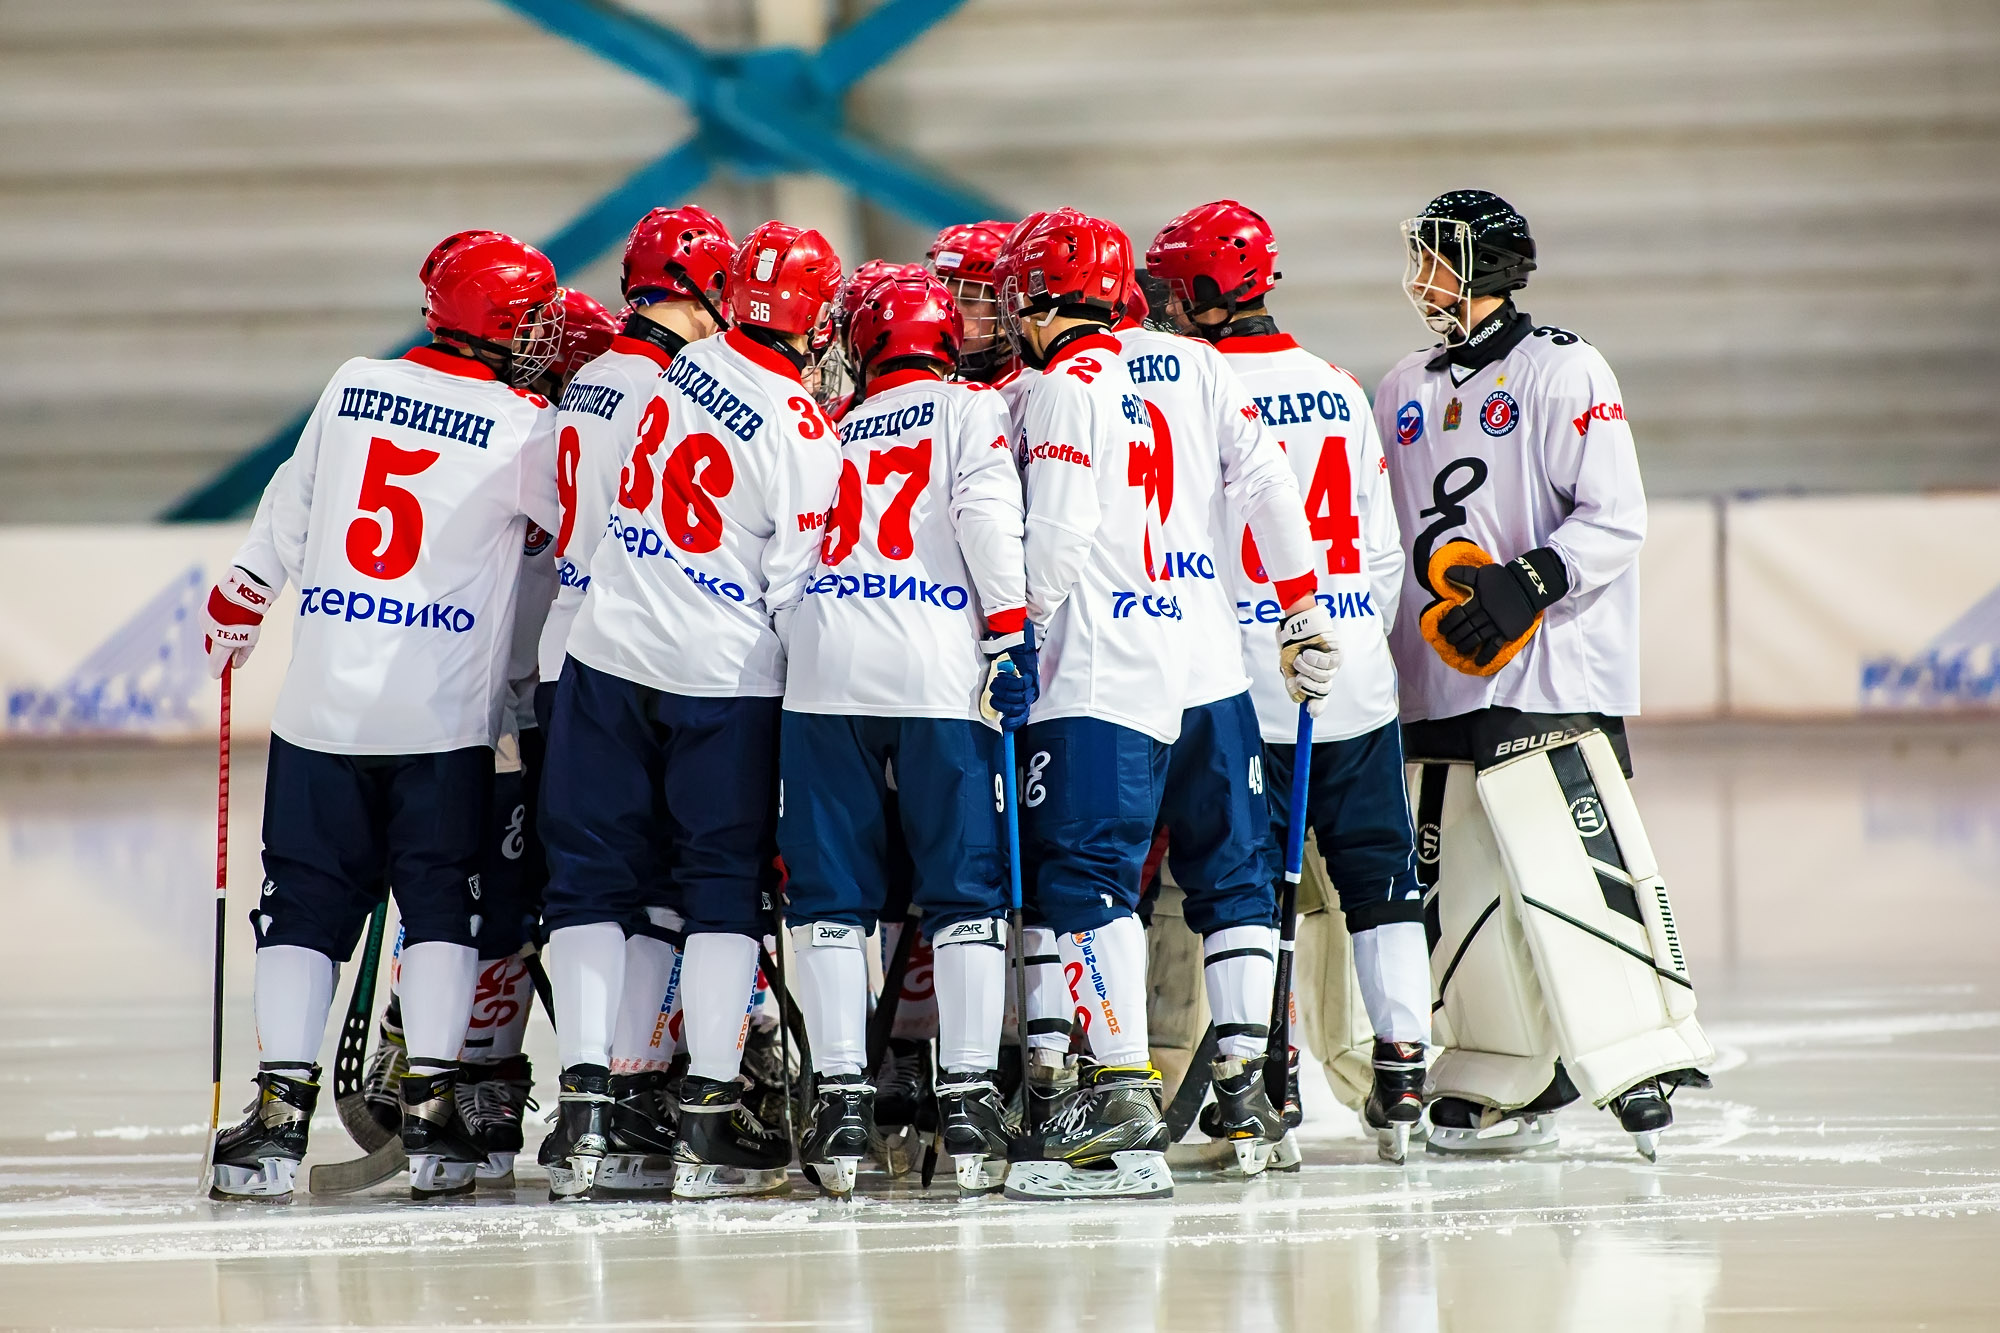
1090, 342
433, 359
1259, 342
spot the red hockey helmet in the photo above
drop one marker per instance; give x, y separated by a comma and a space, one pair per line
865, 278
500, 295
783, 278
1218, 256
1065, 261
679, 254
450, 243
906, 315
586, 332
968, 251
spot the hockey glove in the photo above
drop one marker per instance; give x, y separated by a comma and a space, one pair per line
1488, 611
236, 608
1013, 675
1308, 656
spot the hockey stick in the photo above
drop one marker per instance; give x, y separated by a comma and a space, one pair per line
1193, 1089
221, 921
350, 1058
362, 1172
883, 1020
1277, 1066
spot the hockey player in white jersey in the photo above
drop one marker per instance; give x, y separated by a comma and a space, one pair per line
1220, 264
400, 516
1553, 947
1213, 457
919, 593
663, 742
963, 256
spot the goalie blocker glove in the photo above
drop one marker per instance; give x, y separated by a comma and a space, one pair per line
1504, 603
1308, 655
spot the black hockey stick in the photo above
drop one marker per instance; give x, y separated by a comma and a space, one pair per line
221, 930
539, 975
883, 1021
1278, 1062
1193, 1090
350, 1059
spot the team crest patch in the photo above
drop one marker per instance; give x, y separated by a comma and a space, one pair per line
1500, 414
1452, 412
1409, 422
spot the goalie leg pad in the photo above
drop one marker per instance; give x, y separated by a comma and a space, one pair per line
1488, 1016
1595, 916
1327, 1004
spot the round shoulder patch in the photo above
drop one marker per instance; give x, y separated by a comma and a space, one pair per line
1501, 413
1410, 421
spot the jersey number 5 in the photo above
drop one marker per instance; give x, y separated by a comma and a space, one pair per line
388, 550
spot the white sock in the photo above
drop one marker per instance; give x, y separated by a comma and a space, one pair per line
832, 970
970, 981
438, 978
1393, 964
1240, 967
587, 975
642, 1042
717, 976
1112, 987
500, 1001
1049, 998
294, 993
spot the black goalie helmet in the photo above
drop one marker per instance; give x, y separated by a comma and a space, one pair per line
1484, 243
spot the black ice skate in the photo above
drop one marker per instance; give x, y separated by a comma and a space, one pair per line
258, 1160
493, 1099
388, 1063
904, 1109
765, 1068
1461, 1126
1051, 1077
1643, 1112
444, 1155
724, 1149
1242, 1114
639, 1158
1106, 1140
1396, 1102
575, 1147
843, 1115
973, 1130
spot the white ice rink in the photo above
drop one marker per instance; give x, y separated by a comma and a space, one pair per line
1839, 890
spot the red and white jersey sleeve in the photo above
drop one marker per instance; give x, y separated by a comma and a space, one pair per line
1115, 638
921, 548
1530, 450
1320, 416
533, 599
598, 422
715, 526
401, 516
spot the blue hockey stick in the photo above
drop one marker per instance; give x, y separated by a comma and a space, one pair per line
1277, 1067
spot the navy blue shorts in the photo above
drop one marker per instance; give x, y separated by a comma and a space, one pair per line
651, 799
840, 823
1218, 824
339, 829
1359, 810
1090, 799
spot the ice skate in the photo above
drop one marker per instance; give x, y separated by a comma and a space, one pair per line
1396, 1103
389, 1061
443, 1152
725, 1150
258, 1160
1643, 1112
1241, 1114
1051, 1076
843, 1114
493, 1098
575, 1148
765, 1068
639, 1152
1106, 1140
904, 1110
1460, 1126
973, 1130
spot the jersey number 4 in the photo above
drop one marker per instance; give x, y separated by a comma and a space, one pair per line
893, 538
697, 473
383, 542
1329, 515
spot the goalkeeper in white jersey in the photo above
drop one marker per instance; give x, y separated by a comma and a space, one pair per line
400, 516
1553, 948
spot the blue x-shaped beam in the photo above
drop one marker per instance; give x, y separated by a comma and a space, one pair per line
775, 109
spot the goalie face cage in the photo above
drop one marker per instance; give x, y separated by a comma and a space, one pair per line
1437, 268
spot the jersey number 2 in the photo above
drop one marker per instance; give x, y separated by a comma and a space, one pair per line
388, 550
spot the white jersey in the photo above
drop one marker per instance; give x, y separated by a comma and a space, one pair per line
400, 516
598, 420
1529, 450
714, 529
1215, 454
1013, 390
1115, 640
921, 548
533, 600
1320, 414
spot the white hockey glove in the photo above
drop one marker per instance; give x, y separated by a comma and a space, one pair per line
1308, 656
236, 609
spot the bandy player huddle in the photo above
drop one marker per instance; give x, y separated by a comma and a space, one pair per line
762, 651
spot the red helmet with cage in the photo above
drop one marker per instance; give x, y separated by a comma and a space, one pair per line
1065, 261
1218, 256
865, 278
783, 278
586, 332
499, 295
906, 316
679, 254
968, 251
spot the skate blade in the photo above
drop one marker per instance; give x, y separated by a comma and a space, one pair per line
1253, 1155
978, 1174
1130, 1175
710, 1181
634, 1176
496, 1172
571, 1178
835, 1176
897, 1149
1515, 1134
1287, 1156
434, 1177
272, 1180
1392, 1142
1647, 1141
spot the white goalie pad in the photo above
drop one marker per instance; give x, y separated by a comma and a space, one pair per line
1496, 1046
1595, 916
1329, 1016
